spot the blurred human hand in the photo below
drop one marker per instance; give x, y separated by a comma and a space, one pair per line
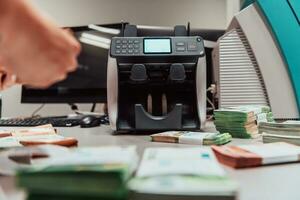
35, 50
6, 80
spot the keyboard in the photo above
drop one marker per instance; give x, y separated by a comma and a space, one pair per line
56, 122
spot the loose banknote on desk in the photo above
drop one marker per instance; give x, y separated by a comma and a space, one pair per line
288, 131
45, 134
181, 173
241, 121
257, 155
196, 138
80, 173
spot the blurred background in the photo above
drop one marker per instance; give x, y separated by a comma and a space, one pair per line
204, 14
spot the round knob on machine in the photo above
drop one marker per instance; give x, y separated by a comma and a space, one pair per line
139, 73
177, 72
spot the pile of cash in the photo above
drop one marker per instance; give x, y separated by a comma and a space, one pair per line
255, 155
187, 173
262, 113
288, 131
241, 121
45, 134
196, 138
82, 173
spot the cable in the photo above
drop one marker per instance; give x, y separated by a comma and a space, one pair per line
93, 107
211, 89
74, 107
37, 110
211, 103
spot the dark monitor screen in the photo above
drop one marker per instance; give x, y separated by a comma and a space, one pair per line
86, 85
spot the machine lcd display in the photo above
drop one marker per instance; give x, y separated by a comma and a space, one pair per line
157, 45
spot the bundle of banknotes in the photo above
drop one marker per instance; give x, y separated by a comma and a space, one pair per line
187, 173
288, 131
241, 121
81, 173
196, 138
39, 135
262, 113
256, 155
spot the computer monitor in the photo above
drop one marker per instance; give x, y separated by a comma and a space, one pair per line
88, 83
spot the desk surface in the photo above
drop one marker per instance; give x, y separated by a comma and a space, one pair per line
278, 182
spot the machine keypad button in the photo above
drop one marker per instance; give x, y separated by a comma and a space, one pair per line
118, 41
180, 49
124, 51
136, 41
130, 51
136, 46
130, 46
118, 46
180, 44
192, 47
118, 51
136, 51
124, 41
130, 41
124, 46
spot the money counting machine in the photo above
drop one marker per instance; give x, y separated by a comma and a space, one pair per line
156, 83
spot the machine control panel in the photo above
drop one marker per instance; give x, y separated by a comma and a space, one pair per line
157, 46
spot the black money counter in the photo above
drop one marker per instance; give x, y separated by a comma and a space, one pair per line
156, 83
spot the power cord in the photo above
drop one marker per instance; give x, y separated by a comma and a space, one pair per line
74, 107
211, 89
34, 113
93, 107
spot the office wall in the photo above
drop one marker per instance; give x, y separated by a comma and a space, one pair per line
233, 7
201, 13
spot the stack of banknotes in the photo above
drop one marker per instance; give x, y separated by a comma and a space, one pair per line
262, 113
39, 135
187, 174
288, 131
243, 156
82, 173
196, 138
241, 121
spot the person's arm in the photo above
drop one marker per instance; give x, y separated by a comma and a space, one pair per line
4, 8
33, 47
6, 80
5, 11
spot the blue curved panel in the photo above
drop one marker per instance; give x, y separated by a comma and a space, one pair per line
295, 6
282, 16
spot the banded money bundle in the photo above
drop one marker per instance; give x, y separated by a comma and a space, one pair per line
288, 131
83, 173
196, 138
186, 173
254, 155
241, 121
